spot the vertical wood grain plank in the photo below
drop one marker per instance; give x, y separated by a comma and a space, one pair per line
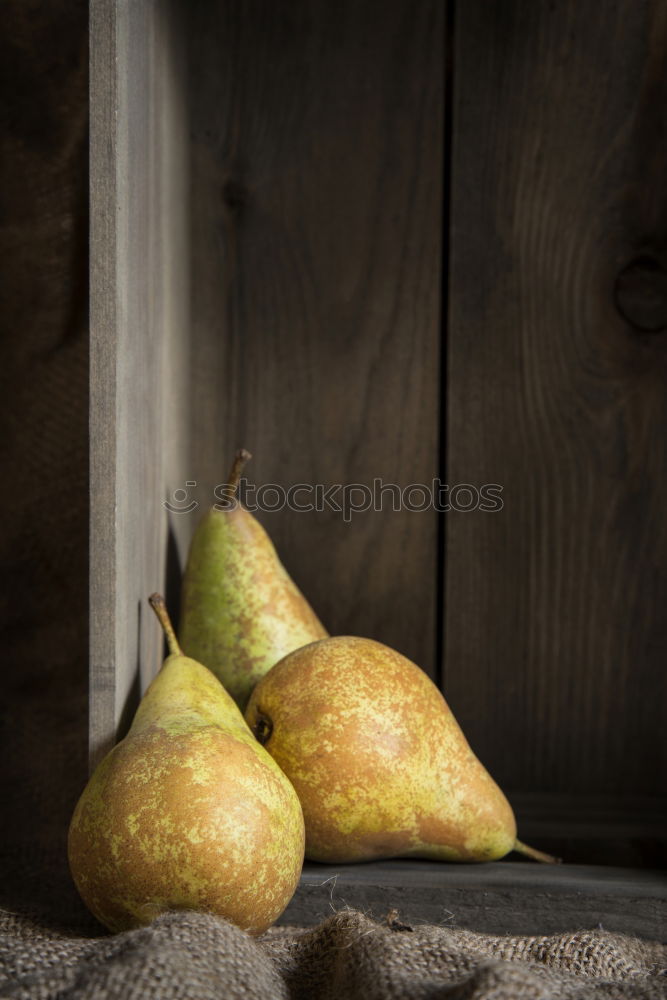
556, 634
138, 549
138, 340
103, 144
317, 177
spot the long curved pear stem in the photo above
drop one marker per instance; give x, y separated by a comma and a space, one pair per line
532, 852
158, 605
242, 456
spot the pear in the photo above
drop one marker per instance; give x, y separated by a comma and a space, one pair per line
379, 762
187, 812
241, 611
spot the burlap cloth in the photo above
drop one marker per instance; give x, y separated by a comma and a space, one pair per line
49, 947
200, 957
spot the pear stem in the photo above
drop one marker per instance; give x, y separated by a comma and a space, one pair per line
242, 456
532, 852
156, 601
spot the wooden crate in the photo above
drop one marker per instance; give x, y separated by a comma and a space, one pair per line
379, 240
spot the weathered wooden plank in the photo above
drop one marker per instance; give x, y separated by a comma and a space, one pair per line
103, 345
138, 308
628, 830
500, 898
556, 633
316, 199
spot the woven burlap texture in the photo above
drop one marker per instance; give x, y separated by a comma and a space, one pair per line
190, 955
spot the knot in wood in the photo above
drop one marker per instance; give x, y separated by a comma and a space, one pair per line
640, 294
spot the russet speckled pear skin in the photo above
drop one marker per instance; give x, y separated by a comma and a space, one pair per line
240, 610
380, 765
187, 812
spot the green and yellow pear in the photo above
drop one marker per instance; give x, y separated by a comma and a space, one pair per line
187, 812
240, 610
378, 761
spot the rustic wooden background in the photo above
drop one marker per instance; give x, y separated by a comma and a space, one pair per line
555, 610
318, 235
431, 240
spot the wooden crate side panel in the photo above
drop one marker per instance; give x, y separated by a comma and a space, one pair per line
556, 634
103, 347
138, 317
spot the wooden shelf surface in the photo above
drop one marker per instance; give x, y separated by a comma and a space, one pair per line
501, 898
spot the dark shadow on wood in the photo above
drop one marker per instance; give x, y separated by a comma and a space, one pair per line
134, 694
173, 573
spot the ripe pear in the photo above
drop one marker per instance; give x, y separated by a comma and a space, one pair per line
187, 812
241, 611
379, 762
